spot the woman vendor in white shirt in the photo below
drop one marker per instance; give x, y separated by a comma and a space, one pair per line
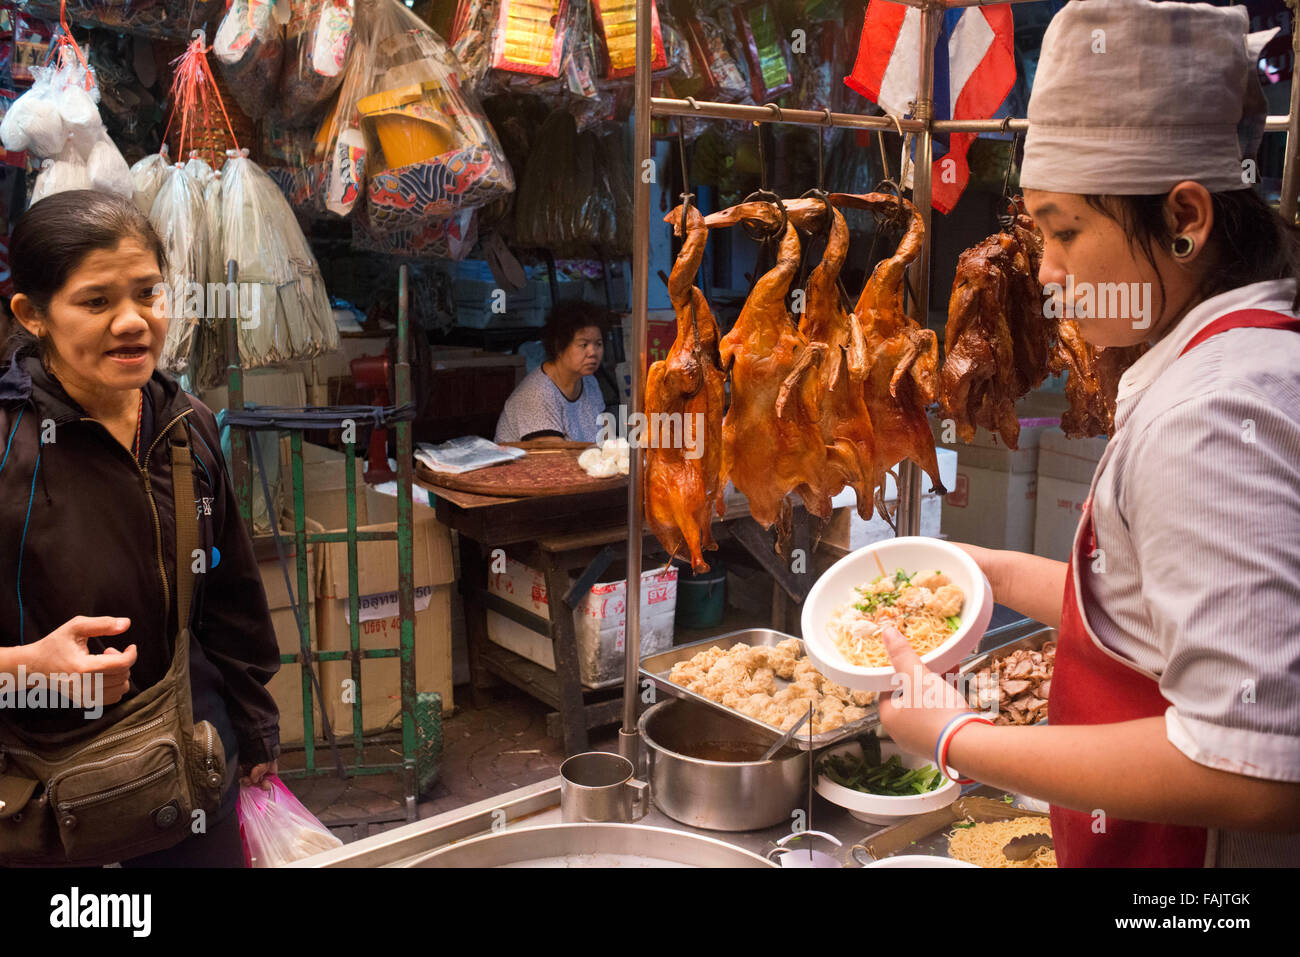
1174, 736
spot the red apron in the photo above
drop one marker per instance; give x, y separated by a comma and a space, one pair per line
1091, 685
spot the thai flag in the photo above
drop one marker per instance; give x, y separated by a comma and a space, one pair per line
974, 70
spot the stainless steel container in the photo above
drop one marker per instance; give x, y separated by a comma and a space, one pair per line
597, 787
718, 795
591, 845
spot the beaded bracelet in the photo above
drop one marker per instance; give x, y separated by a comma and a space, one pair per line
945, 739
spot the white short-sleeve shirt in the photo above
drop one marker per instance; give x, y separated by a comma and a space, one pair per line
1196, 508
538, 405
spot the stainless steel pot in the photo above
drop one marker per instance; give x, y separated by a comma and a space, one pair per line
718, 795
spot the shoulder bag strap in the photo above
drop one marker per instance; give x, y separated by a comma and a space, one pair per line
187, 524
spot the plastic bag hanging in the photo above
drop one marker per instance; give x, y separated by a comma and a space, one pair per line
317, 40
58, 120
179, 218
147, 176
249, 46
340, 143
289, 314
431, 149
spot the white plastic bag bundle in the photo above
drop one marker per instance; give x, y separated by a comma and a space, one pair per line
178, 216
148, 175
58, 119
199, 169
107, 169
293, 318
33, 121
60, 175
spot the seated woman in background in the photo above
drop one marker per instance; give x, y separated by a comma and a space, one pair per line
561, 398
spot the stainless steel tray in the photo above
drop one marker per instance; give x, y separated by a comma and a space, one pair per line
591, 845
1033, 642
657, 668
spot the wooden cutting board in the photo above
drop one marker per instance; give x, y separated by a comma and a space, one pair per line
543, 471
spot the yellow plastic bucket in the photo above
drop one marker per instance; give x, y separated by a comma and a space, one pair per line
409, 127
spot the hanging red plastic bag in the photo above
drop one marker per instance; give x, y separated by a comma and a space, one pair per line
249, 45
315, 52
530, 36
431, 150
276, 829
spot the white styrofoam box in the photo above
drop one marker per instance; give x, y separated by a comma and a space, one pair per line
1060, 506
848, 530
992, 508
598, 620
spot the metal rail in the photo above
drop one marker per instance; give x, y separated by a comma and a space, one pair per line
629, 736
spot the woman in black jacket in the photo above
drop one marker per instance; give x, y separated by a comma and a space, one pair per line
87, 523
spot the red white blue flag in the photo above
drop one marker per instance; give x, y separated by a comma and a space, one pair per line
974, 70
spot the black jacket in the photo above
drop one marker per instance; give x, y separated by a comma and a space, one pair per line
91, 542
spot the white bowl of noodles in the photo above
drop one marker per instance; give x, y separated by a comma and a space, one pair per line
850, 603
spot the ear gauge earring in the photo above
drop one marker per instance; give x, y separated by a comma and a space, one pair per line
1183, 246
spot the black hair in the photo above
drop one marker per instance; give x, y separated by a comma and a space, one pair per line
1249, 242
565, 321
53, 237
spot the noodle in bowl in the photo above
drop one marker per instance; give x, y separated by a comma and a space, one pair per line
932, 591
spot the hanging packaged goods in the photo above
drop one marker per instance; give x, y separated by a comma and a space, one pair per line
316, 42
430, 150
249, 46
769, 72
57, 121
530, 36
617, 20
163, 19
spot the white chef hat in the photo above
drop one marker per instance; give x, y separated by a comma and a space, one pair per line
1132, 97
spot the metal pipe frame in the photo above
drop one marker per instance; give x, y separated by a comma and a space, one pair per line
1272, 124
771, 113
629, 736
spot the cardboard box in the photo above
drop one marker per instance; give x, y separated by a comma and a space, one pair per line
286, 685
1072, 460
380, 623
282, 387
381, 678
598, 620
1038, 412
324, 479
1060, 506
846, 529
990, 507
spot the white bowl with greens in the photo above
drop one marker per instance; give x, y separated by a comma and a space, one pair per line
877, 783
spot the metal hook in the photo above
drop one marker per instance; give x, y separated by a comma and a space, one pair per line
686, 195
1006, 120
200, 34
691, 101
780, 117
827, 111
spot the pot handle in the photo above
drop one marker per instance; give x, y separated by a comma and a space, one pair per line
640, 798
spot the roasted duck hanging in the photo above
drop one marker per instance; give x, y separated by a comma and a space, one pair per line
845, 420
997, 341
1092, 383
902, 355
685, 395
771, 436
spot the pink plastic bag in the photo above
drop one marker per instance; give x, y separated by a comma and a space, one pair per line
276, 829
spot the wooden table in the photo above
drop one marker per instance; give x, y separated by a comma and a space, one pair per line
560, 535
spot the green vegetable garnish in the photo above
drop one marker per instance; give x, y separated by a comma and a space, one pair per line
954, 621
1006, 799
967, 824
901, 577
869, 775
